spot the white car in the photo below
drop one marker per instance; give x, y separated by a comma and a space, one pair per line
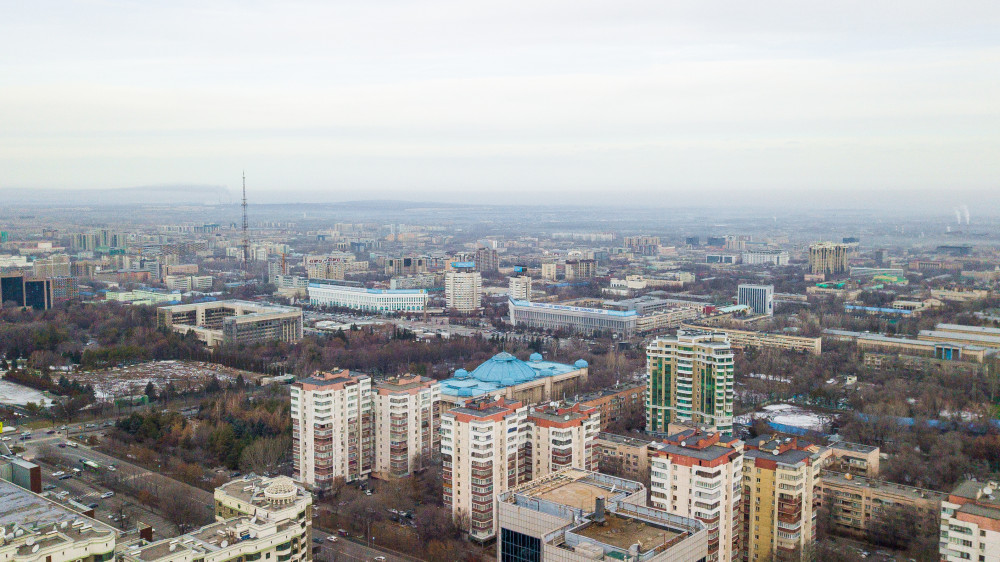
112, 468
107, 495
332, 538
57, 474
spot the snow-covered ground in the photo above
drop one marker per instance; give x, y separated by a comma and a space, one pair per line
788, 414
132, 379
15, 394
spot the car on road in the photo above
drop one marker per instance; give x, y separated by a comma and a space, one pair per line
48, 487
112, 468
92, 505
379, 559
65, 476
73, 444
62, 445
318, 541
107, 495
332, 538
50, 432
342, 532
58, 473
62, 428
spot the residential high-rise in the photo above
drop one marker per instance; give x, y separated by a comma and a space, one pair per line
779, 476
333, 428
491, 445
56, 265
581, 269
690, 381
487, 259
407, 424
970, 523
700, 475
562, 436
760, 298
484, 449
828, 258
550, 271
520, 288
463, 290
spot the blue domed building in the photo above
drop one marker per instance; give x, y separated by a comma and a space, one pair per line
532, 381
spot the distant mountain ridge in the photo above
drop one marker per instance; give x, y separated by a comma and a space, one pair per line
143, 195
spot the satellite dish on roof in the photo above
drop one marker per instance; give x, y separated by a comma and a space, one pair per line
987, 490
224, 544
30, 541
63, 524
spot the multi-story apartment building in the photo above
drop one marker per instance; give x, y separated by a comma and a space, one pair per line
779, 478
577, 516
490, 445
581, 269
333, 428
699, 475
623, 455
487, 259
56, 265
549, 271
562, 436
617, 402
233, 321
37, 529
643, 245
258, 519
463, 290
337, 294
407, 424
520, 288
690, 381
970, 523
760, 298
854, 501
484, 449
829, 258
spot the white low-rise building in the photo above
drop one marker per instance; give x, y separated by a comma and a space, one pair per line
333, 294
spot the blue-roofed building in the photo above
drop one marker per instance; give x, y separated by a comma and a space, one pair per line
531, 381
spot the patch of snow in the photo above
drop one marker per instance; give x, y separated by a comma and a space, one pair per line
18, 395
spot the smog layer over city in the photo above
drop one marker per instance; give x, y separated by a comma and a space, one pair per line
499, 282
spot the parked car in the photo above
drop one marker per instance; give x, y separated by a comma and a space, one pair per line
65, 476
62, 445
58, 473
50, 432
48, 487
107, 495
342, 532
92, 505
315, 540
332, 538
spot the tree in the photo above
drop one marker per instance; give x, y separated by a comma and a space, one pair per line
151, 391
264, 455
179, 510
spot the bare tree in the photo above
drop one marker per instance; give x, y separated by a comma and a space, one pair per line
264, 455
180, 510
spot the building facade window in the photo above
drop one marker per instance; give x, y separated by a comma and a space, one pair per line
518, 547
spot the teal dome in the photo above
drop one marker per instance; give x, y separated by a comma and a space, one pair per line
504, 369
580, 363
535, 357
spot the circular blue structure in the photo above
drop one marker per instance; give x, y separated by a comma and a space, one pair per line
535, 357
504, 369
580, 364
461, 374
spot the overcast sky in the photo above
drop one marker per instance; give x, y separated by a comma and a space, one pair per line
521, 101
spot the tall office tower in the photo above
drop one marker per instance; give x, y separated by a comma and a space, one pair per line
563, 436
690, 381
487, 259
332, 428
12, 289
484, 449
693, 241
970, 523
779, 475
828, 258
407, 424
38, 293
700, 475
463, 290
520, 288
760, 298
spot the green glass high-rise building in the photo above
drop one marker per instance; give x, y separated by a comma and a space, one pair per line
690, 381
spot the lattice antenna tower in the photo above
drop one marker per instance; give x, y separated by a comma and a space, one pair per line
246, 232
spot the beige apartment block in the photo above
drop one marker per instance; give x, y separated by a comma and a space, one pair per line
407, 424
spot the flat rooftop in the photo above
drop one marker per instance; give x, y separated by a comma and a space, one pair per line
577, 488
839, 479
623, 532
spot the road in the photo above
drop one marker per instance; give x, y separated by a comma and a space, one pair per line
346, 550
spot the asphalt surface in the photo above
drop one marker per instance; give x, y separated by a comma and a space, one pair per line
345, 550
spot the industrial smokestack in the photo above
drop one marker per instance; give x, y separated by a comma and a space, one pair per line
958, 215
965, 213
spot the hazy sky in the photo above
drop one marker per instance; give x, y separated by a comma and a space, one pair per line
524, 101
